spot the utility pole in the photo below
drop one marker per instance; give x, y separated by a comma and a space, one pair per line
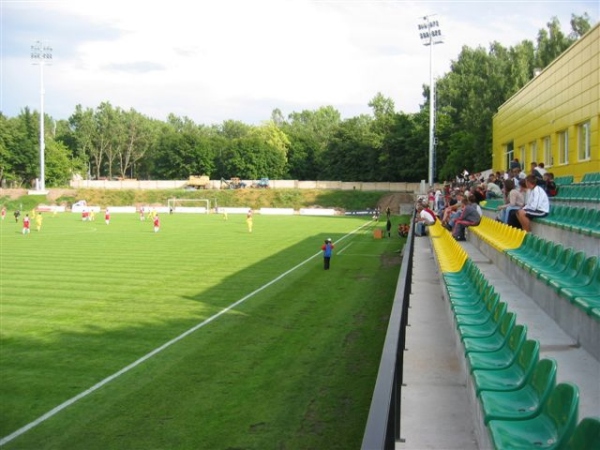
41, 54
431, 34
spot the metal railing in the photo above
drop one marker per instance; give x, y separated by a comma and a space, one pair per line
383, 423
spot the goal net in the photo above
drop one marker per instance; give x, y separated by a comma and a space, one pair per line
189, 205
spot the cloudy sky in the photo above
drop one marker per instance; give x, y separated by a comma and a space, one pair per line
215, 60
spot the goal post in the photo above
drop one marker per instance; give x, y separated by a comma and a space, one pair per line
189, 205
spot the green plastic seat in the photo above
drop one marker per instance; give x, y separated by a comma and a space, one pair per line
585, 284
592, 194
550, 219
464, 275
572, 273
523, 403
552, 256
529, 249
527, 241
471, 296
464, 289
465, 308
471, 317
591, 305
486, 328
493, 342
571, 222
591, 224
512, 377
586, 435
504, 356
578, 276
580, 224
529, 261
551, 429
590, 177
561, 263
565, 179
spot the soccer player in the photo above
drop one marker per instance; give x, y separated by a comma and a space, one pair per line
249, 220
26, 224
3, 212
38, 221
107, 216
156, 223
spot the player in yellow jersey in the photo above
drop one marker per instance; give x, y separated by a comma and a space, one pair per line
249, 220
38, 221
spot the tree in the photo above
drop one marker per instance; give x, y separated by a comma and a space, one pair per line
25, 155
309, 133
6, 143
551, 43
60, 165
350, 154
138, 137
579, 25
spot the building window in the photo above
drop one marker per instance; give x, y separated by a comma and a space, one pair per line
522, 157
548, 158
533, 151
583, 141
510, 154
563, 147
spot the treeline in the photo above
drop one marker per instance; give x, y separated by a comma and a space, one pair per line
309, 145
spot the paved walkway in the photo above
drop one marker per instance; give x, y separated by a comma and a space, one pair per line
436, 413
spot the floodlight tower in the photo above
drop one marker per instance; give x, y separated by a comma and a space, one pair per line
41, 54
431, 34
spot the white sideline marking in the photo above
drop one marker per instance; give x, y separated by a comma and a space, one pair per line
107, 380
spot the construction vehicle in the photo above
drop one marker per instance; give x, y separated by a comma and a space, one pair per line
198, 182
263, 183
234, 183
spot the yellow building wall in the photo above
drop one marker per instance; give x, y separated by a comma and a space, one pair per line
555, 108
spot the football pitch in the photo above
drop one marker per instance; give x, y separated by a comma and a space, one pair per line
200, 336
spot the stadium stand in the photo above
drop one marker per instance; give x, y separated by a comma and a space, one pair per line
524, 315
517, 398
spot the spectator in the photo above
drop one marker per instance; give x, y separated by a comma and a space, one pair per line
518, 174
478, 191
439, 203
500, 179
425, 217
537, 204
537, 174
541, 168
549, 184
492, 189
514, 199
453, 210
470, 217
514, 164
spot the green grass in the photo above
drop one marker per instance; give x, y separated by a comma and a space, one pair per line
291, 367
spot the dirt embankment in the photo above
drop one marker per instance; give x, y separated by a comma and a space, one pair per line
394, 201
53, 194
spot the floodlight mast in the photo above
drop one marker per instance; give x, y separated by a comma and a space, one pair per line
431, 34
41, 54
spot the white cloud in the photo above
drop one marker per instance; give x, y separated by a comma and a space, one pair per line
235, 59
